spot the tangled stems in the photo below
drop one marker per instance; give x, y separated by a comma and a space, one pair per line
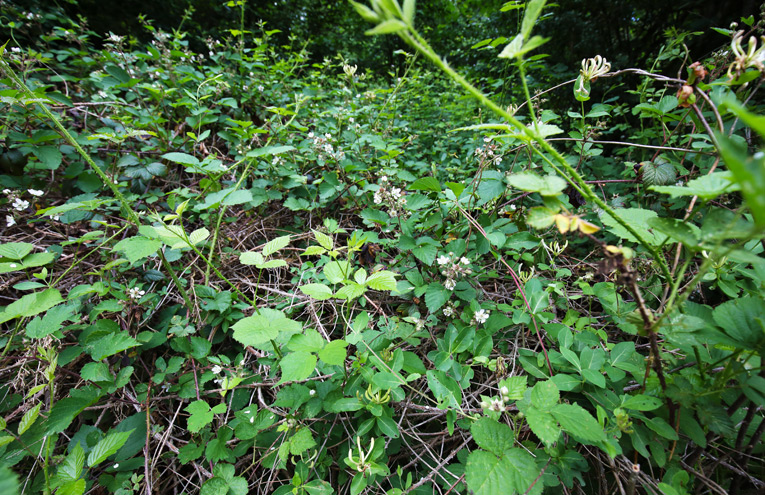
563, 168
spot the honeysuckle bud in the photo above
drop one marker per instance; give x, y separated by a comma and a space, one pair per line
685, 96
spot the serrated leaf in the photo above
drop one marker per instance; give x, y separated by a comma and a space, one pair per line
540, 217
436, 296
251, 258
705, 187
200, 415
386, 27
337, 271
642, 402
301, 441
29, 418
334, 352
658, 174
138, 247
297, 366
425, 184
182, 158
549, 185
351, 290
198, 236
52, 322
574, 419
275, 245
513, 473
260, 328
314, 250
492, 435
382, 280
15, 250
107, 446
324, 240
317, 291
110, 344
71, 468
542, 423
530, 16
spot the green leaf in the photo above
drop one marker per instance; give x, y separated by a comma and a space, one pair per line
533, 9
540, 217
297, 366
71, 468
334, 352
301, 441
661, 427
516, 386
351, 291
29, 418
260, 328
15, 250
270, 150
657, 173
492, 435
436, 296
337, 271
425, 184
316, 291
50, 157
9, 482
382, 280
181, 158
200, 415
574, 419
513, 473
541, 422
705, 187
387, 27
638, 219
39, 328
110, 344
677, 230
107, 446
237, 197
76, 487
31, 305
275, 245
324, 240
65, 410
251, 258
198, 236
742, 319
641, 402
138, 247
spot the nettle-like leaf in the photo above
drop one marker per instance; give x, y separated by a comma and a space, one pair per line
260, 328
511, 473
107, 446
297, 366
202, 415
658, 173
492, 435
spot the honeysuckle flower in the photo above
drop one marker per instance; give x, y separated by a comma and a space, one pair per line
592, 68
744, 59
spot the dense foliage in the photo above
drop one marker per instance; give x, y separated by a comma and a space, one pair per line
228, 267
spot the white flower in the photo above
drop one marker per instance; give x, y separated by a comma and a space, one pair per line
35, 192
328, 136
15, 49
261, 88
20, 205
10, 221
7, 191
464, 261
481, 316
216, 369
351, 120
135, 293
450, 284
448, 311
116, 465
487, 139
312, 392
115, 38
442, 260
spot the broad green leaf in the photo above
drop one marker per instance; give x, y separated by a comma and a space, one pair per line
31, 305
316, 291
541, 422
200, 415
110, 344
705, 187
661, 427
260, 328
323, 239
351, 290
638, 219
9, 482
425, 184
301, 441
492, 435
337, 271
574, 419
387, 27
297, 366
107, 446
138, 247
678, 230
237, 197
52, 322
530, 16
76, 487
641, 402
513, 473
29, 418
540, 217
545, 395
516, 387
71, 468
382, 280
198, 236
15, 250
657, 173
334, 352
181, 158
436, 296
385, 380
445, 388
251, 258
65, 410
270, 150
742, 319
275, 245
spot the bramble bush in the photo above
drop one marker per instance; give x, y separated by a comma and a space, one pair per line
239, 271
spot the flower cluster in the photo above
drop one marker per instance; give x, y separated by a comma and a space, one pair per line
488, 153
450, 309
135, 293
17, 204
746, 58
453, 268
392, 197
324, 147
496, 404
